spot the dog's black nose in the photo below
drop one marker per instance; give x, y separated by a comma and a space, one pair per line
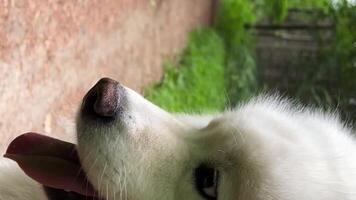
103, 99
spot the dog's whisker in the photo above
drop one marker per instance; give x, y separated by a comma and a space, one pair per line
100, 179
90, 169
120, 186
107, 191
113, 192
87, 183
78, 173
125, 183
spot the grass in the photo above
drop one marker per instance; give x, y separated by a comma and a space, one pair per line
195, 83
205, 78
216, 69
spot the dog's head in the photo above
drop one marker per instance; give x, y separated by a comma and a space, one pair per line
132, 149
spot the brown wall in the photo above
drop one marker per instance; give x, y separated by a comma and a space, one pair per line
52, 52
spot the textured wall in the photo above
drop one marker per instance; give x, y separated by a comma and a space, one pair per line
52, 52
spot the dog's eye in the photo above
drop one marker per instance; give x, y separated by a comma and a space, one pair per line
206, 181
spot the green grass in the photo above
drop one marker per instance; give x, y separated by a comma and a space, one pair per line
195, 83
216, 69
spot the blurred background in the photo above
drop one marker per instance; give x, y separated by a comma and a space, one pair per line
185, 56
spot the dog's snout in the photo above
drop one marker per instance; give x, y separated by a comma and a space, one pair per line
103, 99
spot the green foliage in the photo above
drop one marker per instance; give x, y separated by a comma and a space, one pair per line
344, 47
219, 62
240, 67
231, 19
329, 80
310, 4
196, 82
341, 58
240, 79
277, 10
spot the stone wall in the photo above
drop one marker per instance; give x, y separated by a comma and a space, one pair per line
52, 52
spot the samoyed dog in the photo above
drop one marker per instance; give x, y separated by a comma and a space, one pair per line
130, 149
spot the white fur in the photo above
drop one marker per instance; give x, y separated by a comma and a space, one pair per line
267, 149
15, 185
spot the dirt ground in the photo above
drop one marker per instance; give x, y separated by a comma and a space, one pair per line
52, 52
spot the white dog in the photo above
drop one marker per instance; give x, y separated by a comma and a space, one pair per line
265, 149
